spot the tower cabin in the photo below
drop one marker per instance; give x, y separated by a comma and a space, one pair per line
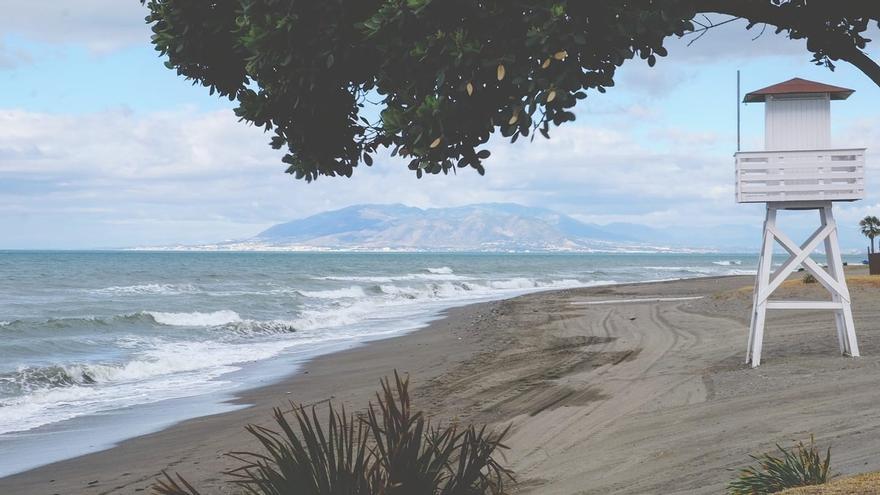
798, 162
799, 169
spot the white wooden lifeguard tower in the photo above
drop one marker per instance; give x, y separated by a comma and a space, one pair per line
799, 170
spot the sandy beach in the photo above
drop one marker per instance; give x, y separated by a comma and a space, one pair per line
622, 389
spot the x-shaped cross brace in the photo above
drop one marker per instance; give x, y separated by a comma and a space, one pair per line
799, 255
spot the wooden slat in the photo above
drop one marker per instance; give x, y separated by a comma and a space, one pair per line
748, 188
801, 173
833, 151
804, 305
797, 165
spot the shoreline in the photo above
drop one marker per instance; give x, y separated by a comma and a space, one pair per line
570, 379
99, 438
311, 382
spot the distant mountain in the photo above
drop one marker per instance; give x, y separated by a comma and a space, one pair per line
493, 227
482, 227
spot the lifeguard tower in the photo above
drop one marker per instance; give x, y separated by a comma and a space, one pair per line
799, 170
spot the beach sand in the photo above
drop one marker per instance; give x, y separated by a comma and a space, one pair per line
646, 396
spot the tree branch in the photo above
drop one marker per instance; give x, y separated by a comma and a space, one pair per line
797, 19
864, 63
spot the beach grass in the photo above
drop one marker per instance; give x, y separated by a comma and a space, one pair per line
389, 450
802, 465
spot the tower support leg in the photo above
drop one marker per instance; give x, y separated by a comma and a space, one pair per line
762, 280
834, 279
846, 333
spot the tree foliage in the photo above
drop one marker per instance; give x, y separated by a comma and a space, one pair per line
870, 228
445, 75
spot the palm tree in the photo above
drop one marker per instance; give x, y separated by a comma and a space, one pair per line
870, 228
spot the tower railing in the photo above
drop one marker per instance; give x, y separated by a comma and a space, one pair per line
815, 175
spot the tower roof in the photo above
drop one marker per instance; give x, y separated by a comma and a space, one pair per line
798, 86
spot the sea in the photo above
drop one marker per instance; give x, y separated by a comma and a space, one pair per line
97, 347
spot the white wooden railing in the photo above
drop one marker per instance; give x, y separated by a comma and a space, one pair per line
821, 175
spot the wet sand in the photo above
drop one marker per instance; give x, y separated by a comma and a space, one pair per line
645, 393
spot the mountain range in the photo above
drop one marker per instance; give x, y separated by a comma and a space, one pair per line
478, 227
493, 227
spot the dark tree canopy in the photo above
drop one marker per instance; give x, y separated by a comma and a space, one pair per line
446, 74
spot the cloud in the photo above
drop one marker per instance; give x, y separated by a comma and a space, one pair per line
732, 42
100, 25
652, 81
686, 137
181, 169
120, 177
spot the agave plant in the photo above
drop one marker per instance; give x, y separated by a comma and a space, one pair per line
389, 451
801, 466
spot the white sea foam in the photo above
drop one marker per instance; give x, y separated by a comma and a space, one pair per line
384, 279
528, 283
402, 291
142, 289
346, 292
694, 269
740, 272
174, 357
396, 300
169, 370
259, 327
702, 271
443, 270
727, 262
195, 319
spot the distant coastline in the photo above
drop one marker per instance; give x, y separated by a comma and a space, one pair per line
246, 246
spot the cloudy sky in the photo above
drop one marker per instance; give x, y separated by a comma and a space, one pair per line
102, 146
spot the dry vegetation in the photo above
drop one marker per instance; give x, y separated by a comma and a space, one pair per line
865, 484
797, 282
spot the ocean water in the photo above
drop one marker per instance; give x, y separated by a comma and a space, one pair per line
99, 346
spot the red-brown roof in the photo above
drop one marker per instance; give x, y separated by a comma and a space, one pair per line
796, 86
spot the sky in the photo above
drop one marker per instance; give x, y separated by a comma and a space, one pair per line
102, 146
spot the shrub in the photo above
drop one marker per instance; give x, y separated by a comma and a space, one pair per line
800, 466
809, 279
391, 450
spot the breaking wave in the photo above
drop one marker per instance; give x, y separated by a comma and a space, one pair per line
143, 289
34, 396
443, 270
224, 320
434, 274
346, 292
195, 319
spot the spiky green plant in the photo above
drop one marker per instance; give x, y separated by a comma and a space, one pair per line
809, 279
800, 466
389, 451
